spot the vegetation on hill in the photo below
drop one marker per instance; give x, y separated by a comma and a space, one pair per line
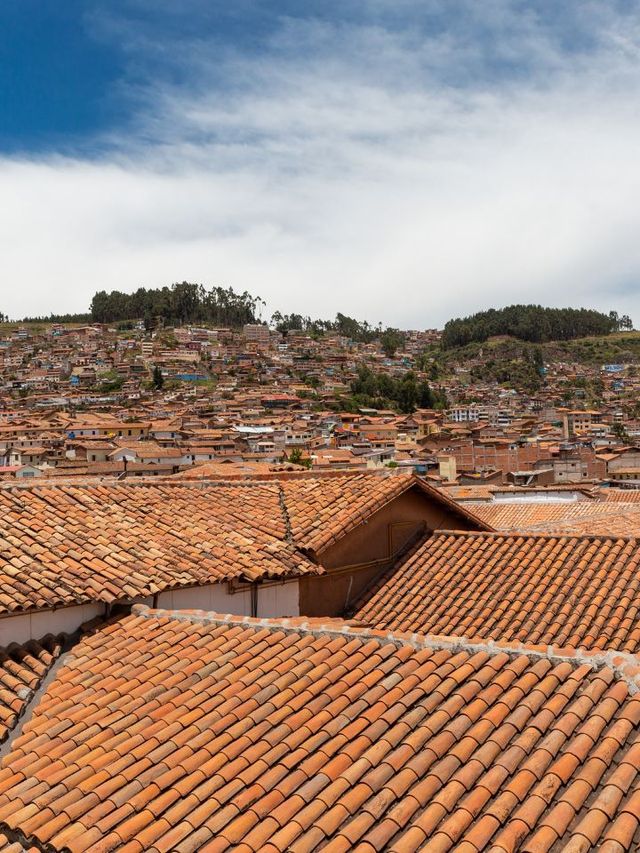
523, 366
380, 391
343, 325
76, 319
618, 347
180, 303
186, 302
531, 323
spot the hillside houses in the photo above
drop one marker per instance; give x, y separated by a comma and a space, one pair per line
262, 396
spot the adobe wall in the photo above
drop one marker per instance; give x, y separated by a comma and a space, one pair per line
21, 627
361, 556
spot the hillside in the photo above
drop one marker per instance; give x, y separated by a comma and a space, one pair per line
533, 323
521, 365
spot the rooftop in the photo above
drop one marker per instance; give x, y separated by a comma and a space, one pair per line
576, 591
68, 544
195, 732
527, 515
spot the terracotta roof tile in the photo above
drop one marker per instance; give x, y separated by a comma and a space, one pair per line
275, 742
69, 544
22, 668
588, 516
72, 544
567, 590
323, 509
621, 523
7, 846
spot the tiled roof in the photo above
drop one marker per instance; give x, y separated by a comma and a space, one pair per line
65, 544
626, 523
470, 493
522, 516
7, 846
571, 591
22, 668
187, 732
69, 544
620, 495
321, 510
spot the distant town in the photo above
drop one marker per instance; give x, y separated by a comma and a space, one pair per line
141, 397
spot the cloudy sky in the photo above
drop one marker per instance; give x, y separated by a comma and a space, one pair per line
401, 161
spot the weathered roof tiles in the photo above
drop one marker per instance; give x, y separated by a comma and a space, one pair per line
100, 543
74, 544
22, 668
190, 732
527, 516
578, 591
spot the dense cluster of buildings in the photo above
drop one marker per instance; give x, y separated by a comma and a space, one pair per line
106, 402
235, 616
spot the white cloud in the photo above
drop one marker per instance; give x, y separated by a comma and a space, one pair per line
338, 171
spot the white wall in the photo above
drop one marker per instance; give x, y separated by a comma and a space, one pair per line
211, 597
273, 600
278, 599
34, 626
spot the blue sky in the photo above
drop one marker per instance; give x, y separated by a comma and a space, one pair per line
399, 160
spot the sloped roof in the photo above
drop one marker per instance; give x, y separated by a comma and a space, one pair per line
66, 544
322, 509
522, 516
623, 523
70, 544
190, 732
578, 591
22, 668
619, 495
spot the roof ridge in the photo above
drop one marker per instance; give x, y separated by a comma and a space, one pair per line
156, 482
532, 533
247, 480
624, 665
282, 500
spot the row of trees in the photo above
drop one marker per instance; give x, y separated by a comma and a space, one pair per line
342, 325
180, 303
381, 391
55, 318
532, 323
391, 339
